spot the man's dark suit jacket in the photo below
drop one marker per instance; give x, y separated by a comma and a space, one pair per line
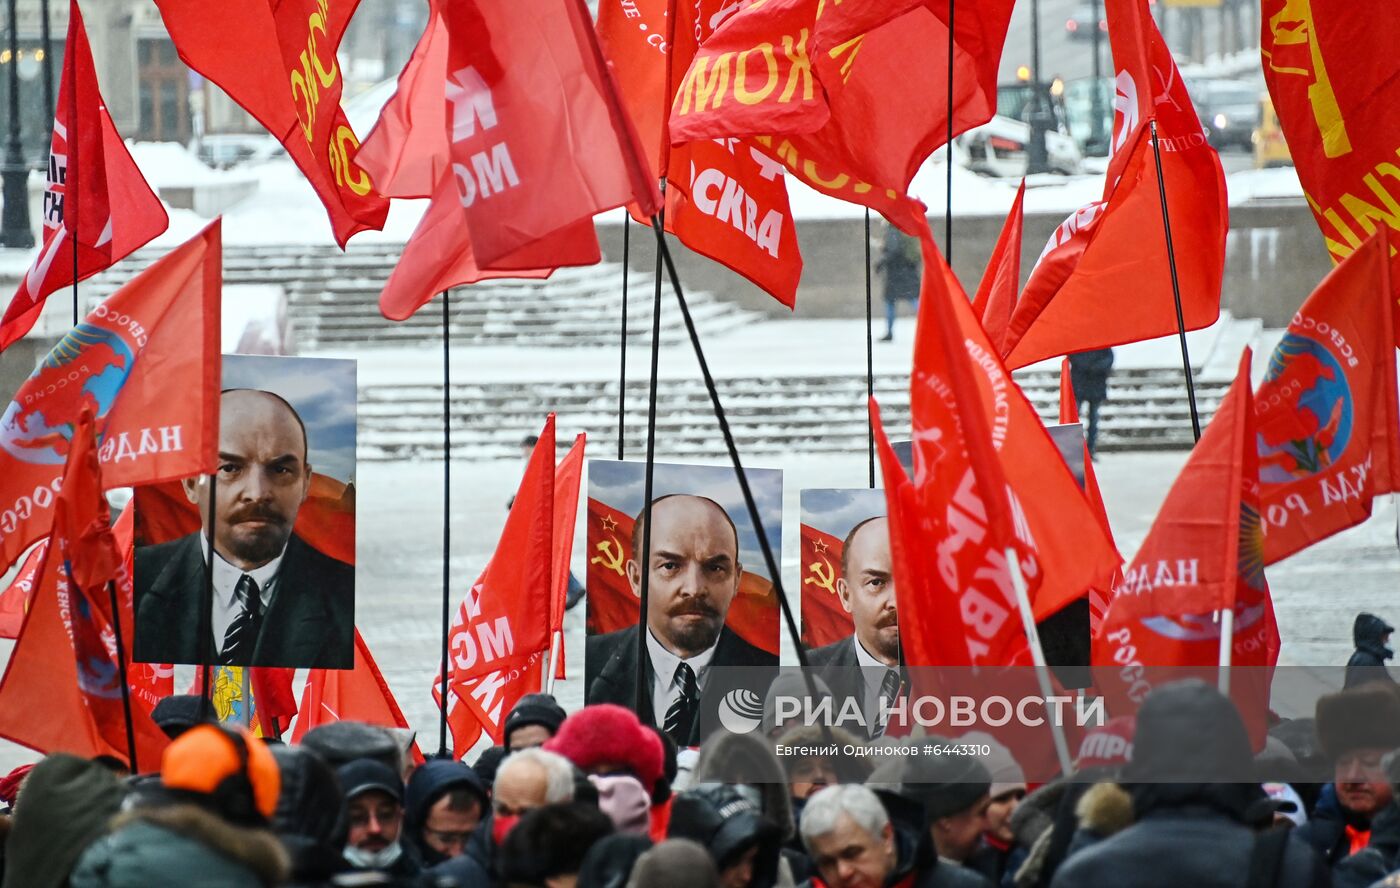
610, 675
837, 665
310, 622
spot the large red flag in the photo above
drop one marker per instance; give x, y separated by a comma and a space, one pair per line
987, 477
359, 694
824, 619
1203, 554
840, 94
146, 362
996, 295
1330, 69
60, 691
94, 198
1099, 597
568, 481
1103, 278
278, 60
1327, 412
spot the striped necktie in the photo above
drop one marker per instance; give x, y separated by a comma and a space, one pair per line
680, 718
242, 634
889, 690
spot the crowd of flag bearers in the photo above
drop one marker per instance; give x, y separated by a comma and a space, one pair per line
520, 122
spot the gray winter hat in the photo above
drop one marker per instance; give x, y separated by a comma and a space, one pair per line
675, 863
945, 784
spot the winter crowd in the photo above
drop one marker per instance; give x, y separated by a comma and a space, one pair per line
596, 798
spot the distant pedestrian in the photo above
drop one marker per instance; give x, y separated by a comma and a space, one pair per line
1088, 374
901, 265
1371, 635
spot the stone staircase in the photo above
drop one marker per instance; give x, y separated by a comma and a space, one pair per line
770, 416
333, 301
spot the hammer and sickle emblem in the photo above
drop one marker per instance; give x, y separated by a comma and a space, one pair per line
824, 576
611, 559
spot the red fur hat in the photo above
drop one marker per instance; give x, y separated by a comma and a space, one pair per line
606, 733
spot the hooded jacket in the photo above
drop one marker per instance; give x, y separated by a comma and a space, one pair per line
310, 820
1367, 663
428, 784
64, 806
150, 846
1195, 830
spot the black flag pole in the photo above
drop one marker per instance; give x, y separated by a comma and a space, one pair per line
446, 512
622, 337
121, 674
206, 647
948, 189
869, 356
650, 471
1176, 289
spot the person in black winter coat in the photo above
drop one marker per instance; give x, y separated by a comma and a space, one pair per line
1370, 634
1088, 376
1197, 828
902, 266
443, 805
310, 816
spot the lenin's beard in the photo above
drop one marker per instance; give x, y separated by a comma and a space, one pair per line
694, 624
255, 534
886, 636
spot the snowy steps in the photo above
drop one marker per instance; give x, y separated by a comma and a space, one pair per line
333, 301
770, 417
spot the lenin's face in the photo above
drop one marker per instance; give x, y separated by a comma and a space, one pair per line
695, 573
263, 478
867, 590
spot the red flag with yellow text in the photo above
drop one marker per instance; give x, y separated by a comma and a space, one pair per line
146, 363
279, 61
1203, 554
1327, 408
824, 619
95, 199
1103, 278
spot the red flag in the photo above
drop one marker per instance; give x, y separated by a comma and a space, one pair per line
1103, 278
146, 362
1330, 67
14, 600
276, 705
62, 689
1204, 553
278, 60
568, 480
987, 477
633, 37
830, 90
996, 295
501, 631
1326, 411
612, 605
360, 694
90, 174
824, 620
1099, 597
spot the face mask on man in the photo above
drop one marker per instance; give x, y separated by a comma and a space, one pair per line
372, 860
501, 827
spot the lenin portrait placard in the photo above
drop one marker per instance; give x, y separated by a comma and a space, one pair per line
712, 622
279, 516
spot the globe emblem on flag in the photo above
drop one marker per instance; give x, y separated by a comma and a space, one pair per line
88, 367
1306, 410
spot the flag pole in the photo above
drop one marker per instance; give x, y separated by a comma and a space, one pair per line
1042, 671
1176, 288
948, 189
446, 512
622, 336
121, 673
869, 355
554, 642
207, 651
648, 485
770, 561
1227, 647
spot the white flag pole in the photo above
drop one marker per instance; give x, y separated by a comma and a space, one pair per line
1042, 671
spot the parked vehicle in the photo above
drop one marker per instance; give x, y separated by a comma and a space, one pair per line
1229, 111
998, 147
1082, 21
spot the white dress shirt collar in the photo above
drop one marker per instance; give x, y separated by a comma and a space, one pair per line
664, 689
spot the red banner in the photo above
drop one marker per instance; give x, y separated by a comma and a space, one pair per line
14, 600
360, 694
996, 295
90, 173
1326, 411
146, 362
278, 60
1104, 277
